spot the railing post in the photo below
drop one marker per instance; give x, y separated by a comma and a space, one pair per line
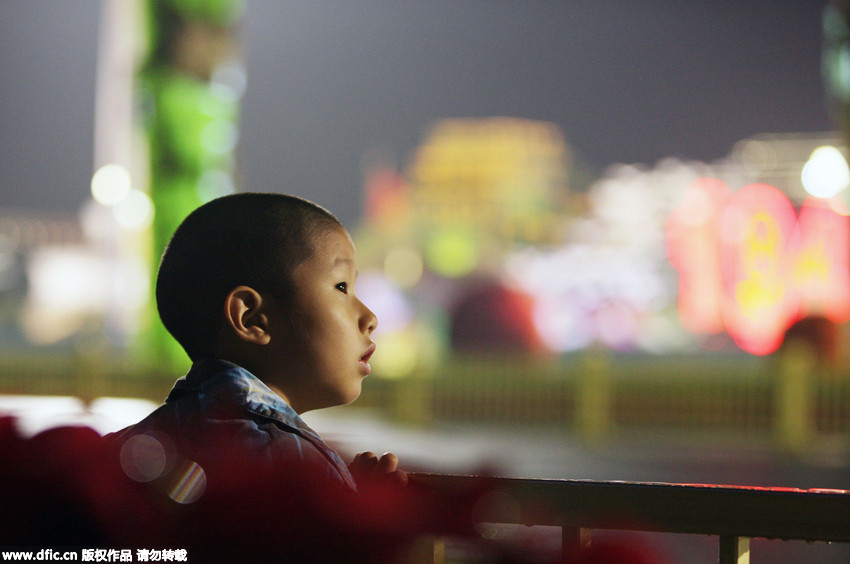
734, 550
573, 539
796, 368
593, 397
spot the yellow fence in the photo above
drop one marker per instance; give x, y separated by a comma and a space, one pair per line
593, 396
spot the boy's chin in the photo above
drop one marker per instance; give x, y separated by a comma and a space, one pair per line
353, 394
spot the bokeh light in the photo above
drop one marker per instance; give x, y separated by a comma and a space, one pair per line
452, 252
110, 184
826, 173
821, 267
692, 249
229, 80
135, 212
214, 183
397, 355
67, 280
756, 228
189, 484
143, 458
389, 304
220, 136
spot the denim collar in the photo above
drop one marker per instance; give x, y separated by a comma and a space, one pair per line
216, 381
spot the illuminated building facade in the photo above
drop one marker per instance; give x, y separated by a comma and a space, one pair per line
436, 237
678, 257
502, 178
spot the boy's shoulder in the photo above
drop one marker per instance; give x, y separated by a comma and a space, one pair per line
221, 412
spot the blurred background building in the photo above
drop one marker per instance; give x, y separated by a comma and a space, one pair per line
603, 226
494, 228
600, 219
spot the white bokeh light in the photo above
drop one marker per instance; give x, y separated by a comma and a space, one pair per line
826, 173
134, 212
110, 184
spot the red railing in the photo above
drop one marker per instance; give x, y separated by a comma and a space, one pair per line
734, 514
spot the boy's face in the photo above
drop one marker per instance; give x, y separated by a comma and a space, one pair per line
325, 333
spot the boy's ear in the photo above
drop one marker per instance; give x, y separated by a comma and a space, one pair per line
245, 311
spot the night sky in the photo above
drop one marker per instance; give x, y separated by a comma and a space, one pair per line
328, 81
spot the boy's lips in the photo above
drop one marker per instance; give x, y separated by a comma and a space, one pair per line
364, 360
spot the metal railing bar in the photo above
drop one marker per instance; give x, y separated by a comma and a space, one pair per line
723, 511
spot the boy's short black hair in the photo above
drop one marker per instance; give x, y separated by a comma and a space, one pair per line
251, 239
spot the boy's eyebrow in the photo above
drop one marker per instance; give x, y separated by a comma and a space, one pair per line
342, 260
338, 261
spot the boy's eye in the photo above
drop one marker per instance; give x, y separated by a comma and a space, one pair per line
342, 287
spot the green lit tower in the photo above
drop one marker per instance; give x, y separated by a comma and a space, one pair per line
190, 86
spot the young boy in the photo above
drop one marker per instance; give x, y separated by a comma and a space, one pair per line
259, 291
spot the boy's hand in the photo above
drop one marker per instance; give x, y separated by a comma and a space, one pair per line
368, 469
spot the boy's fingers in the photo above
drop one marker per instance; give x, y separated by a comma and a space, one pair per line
365, 459
398, 478
388, 463
363, 463
367, 466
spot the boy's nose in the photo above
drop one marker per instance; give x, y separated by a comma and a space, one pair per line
368, 320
